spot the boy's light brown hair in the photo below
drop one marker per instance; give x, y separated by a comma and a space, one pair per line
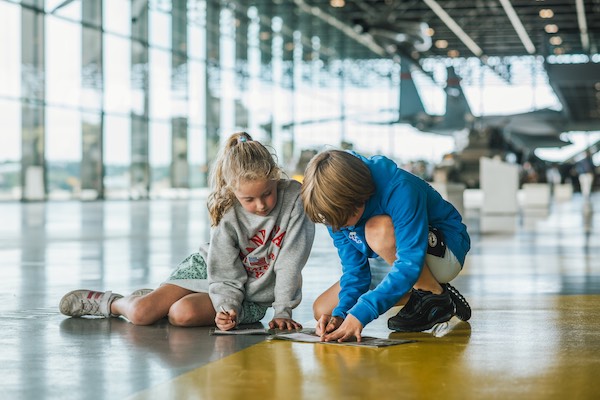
336, 184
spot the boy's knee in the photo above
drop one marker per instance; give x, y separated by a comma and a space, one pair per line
379, 232
318, 310
321, 307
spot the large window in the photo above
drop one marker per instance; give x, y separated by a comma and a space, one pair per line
10, 51
63, 62
10, 104
63, 152
117, 155
10, 150
160, 156
117, 75
63, 113
131, 99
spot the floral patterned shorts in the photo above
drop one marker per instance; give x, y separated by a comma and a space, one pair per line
194, 268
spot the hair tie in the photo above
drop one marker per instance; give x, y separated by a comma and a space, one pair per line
322, 218
242, 139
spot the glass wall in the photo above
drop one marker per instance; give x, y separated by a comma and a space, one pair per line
129, 99
10, 106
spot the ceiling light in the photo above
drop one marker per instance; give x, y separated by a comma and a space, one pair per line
337, 3
453, 53
441, 44
597, 86
555, 40
551, 28
559, 50
430, 32
391, 48
546, 13
358, 28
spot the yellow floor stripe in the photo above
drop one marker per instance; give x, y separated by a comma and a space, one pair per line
537, 347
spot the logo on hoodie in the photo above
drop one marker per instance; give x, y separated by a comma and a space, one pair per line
354, 237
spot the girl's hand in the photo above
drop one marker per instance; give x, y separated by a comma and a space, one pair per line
226, 320
348, 330
327, 324
284, 324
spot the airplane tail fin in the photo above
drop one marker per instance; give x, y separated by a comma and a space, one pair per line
411, 105
457, 106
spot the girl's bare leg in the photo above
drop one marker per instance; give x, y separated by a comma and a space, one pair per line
195, 309
148, 309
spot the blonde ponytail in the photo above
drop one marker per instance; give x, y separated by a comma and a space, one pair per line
240, 160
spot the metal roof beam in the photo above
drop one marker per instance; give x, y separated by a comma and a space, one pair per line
583, 29
364, 39
518, 25
454, 27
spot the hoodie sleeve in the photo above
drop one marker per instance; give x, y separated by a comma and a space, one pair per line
406, 205
292, 257
356, 273
226, 273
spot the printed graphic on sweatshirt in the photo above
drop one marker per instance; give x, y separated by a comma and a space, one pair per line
261, 250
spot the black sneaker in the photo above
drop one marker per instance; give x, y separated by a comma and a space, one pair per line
463, 309
422, 311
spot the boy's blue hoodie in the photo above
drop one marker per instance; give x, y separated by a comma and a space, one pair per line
413, 206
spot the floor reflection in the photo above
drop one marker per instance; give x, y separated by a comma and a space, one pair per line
534, 331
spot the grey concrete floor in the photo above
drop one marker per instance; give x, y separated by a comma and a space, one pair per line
48, 249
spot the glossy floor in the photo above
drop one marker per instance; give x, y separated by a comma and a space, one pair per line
535, 331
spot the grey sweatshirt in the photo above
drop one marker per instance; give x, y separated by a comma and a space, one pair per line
260, 259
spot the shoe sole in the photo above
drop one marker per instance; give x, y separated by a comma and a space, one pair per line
445, 308
463, 309
421, 328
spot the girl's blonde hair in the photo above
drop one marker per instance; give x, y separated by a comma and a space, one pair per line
336, 184
240, 160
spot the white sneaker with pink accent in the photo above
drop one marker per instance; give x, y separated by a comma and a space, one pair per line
87, 302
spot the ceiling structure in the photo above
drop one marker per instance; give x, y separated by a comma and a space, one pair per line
467, 28
566, 33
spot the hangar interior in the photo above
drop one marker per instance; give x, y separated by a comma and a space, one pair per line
113, 110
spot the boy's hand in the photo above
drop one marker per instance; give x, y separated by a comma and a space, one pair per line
226, 320
284, 324
348, 330
327, 324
